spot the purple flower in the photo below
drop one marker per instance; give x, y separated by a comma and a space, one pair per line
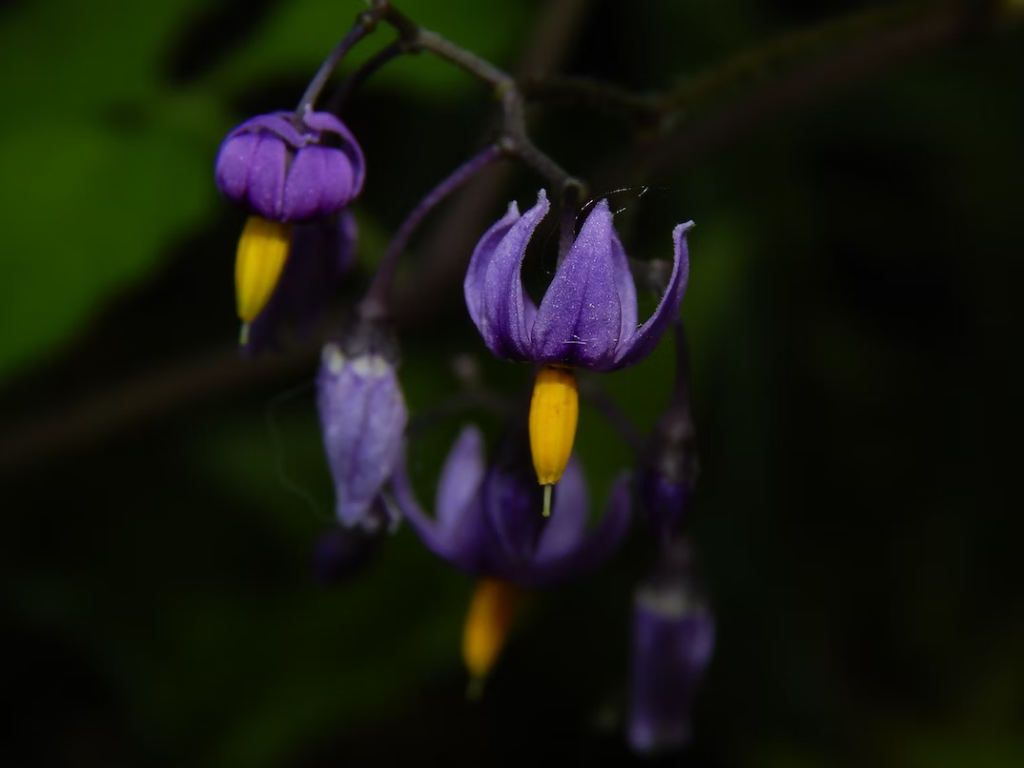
489, 523
320, 253
673, 640
588, 316
285, 172
362, 419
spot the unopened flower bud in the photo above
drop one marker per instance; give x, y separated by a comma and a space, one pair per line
673, 640
362, 419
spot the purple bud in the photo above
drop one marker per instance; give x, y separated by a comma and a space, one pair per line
673, 640
290, 171
362, 418
669, 470
342, 553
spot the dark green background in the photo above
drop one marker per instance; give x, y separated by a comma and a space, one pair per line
853, 310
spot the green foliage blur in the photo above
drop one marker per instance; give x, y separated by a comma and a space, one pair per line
854, 315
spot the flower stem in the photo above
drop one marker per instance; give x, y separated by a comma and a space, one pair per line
362, 74
375, 305
366, 22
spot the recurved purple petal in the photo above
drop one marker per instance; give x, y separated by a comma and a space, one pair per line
579, 320
569, 514
649, 334
594, 548
480, 262
461, 476
503, 304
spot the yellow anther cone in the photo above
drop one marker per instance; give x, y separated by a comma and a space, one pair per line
262, 251
554, 412
488, 621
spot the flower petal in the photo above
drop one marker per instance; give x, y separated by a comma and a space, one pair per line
480, 261
580, 318
265, 185
461, 475
569, 516
462, 539
647, 337
595, 548
504, 308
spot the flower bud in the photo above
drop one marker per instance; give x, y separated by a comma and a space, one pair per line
288, 170
362, 419
673, 640
669, 470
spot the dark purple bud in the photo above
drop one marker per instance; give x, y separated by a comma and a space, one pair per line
320, 254
343, 553
673, 641
288, 171
362, 419
669, 470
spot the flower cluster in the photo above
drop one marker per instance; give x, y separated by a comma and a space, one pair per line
517, 516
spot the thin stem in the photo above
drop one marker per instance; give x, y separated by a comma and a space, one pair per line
341, 96
375, 305
595, 394
479, 68
366, 22
600, 97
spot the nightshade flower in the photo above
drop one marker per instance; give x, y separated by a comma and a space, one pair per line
362, 419
486, 521
486, 524
673, 640
287, 172
586, 319
320, 253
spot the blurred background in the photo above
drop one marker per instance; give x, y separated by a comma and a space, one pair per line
853, 313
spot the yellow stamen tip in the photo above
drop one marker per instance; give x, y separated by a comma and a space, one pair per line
262, 251
554, 412
547, 500
487, 625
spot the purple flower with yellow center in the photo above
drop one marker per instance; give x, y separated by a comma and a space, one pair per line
283, 170
487, 524
673, 641
586, 319
362, 421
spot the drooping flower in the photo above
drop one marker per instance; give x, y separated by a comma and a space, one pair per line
362, 420
673, 640
320, 253
487, 524
586, 319
286, 171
